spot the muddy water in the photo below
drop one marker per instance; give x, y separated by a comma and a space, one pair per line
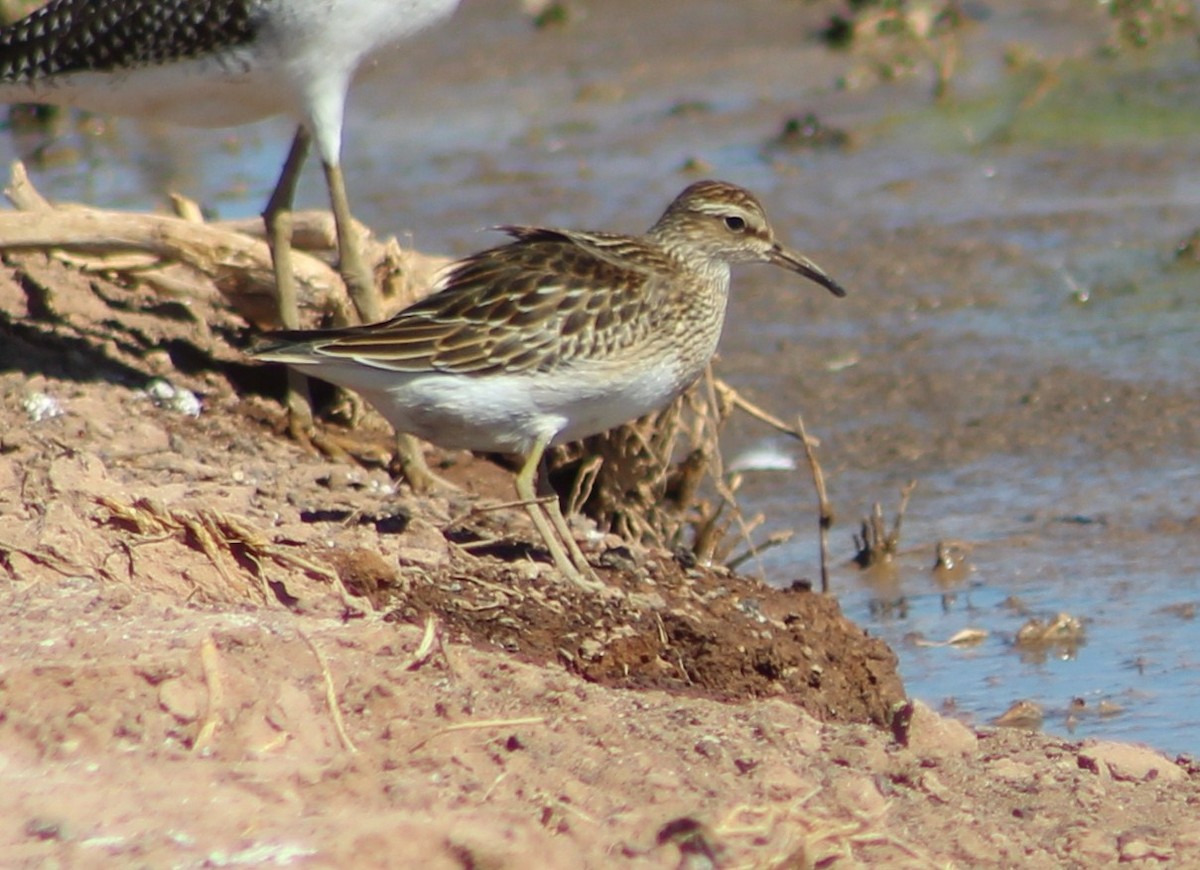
1019, 339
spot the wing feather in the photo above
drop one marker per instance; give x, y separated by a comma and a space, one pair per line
530, 305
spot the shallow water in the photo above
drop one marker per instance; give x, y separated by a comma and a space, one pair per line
1019, 337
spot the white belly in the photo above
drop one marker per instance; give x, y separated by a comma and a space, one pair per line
508, 413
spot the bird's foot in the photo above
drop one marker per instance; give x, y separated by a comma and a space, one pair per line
571, 561
409, 463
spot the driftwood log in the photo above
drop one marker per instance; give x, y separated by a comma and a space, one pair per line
183, 256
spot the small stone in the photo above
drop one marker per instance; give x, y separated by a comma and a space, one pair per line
618, 558
861, 794
1013, 771
1128, 762
41, 406
935, 788
169, 397
340, 479
781, 783
1136, 848
1024, 714
929, 734
591, 649
180, 699
41, 828
422, 557
647, 601
710, 748
661, 783
1095, 848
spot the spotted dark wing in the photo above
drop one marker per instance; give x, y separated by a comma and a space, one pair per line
532, 305
78, 35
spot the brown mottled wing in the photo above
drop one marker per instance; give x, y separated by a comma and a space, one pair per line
547, 298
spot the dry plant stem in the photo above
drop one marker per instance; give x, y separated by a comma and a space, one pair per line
870, 543
708, 530
477, 509
211, 665
217, 535
429, 639
717, 529
479, 726
330, 695
696, 416
905, 495
824, 509
433, 640
584, 484
877, 544
714, 390
741, 402
774, 539
637, 457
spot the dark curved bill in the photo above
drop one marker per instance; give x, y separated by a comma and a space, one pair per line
807, 268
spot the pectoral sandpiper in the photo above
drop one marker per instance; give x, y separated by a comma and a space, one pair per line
555, 336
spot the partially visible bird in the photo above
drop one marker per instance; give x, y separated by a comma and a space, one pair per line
219, 63
555, 336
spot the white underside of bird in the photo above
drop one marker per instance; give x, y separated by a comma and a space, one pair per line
505, 413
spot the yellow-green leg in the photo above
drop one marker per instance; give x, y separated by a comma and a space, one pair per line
549, 499
573, 571
278, 220
360, 282
410, 460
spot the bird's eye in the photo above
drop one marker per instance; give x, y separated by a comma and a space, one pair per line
735, 223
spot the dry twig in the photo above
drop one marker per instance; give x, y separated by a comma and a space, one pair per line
876, 545
210, 663
479, 726
330, 695
220, 536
